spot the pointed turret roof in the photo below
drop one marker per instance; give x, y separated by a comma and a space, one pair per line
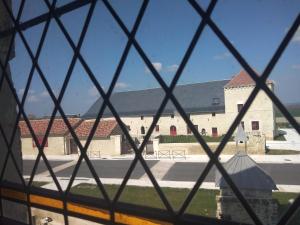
246, 174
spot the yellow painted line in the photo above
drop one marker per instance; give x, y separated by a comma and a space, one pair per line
132, 220
80, 208
89, 211
46, 201
13, 194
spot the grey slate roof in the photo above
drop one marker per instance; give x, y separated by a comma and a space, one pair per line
194, 98
246, 174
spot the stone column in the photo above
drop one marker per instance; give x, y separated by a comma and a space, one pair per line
8, 114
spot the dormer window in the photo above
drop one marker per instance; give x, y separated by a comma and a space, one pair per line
216, 101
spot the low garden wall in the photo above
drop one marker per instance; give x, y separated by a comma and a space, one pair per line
253, 147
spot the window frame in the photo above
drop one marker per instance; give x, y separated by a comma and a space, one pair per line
255, 125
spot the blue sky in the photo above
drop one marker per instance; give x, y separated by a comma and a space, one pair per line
255, 27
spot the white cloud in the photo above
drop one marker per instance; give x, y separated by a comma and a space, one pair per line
31, 92
122, 85
157, 65
21, 91
296, 66
32, 98
222, 56
44, 94
93, 92
296, 37
172, 68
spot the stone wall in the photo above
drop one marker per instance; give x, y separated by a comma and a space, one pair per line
262, 109
196, 148
230, 208
56, 146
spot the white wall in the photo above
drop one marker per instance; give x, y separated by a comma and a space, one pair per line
56, 146
261, 109
107, 147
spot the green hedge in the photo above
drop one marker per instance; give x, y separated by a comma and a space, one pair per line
187, 139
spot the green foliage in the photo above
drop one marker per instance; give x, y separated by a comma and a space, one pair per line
188, 139
279, 138
282, 152
284, 125
283, 200
294, 110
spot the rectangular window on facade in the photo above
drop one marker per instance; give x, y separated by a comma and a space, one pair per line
255, 125
172, 116
214, 131
188, 130
243, 125
142, 117
239, 107
40, 141
157, 128
213, 114
216, 101
196, 127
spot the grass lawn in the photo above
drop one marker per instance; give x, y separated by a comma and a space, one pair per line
283, 198
204, 202
282, 152
279, 138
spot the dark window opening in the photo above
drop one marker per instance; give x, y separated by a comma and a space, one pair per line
142, 130
239, 107
243, 125
172, 116
216, 101
196, 127
213, 114
157, 128
142, 117
188, 130
255, 125
214, 131
173, 131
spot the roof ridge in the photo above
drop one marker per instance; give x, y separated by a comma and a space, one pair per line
180, 85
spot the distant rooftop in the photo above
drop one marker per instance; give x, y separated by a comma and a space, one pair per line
194, 98
39, 126
242, 79
104, 129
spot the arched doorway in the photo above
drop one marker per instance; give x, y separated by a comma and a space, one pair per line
173, 131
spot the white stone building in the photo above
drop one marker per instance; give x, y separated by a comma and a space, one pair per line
212, 107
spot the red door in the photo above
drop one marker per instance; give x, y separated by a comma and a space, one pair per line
214, 132
173, 131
